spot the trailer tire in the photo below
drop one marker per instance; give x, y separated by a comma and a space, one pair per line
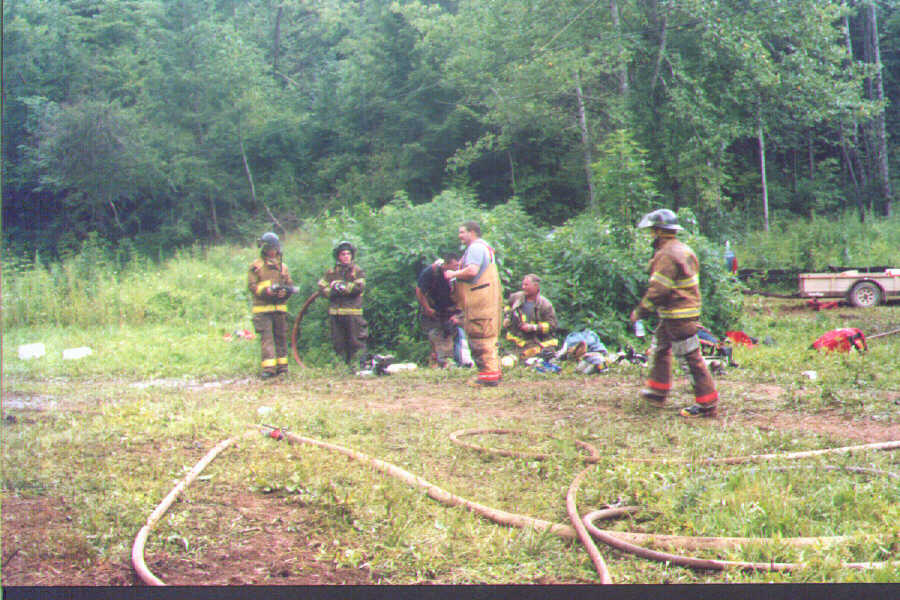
865, 294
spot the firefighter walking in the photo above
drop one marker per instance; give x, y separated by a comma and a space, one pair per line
674, 294
344, 285
269, 282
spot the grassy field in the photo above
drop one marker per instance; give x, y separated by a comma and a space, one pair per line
91, 446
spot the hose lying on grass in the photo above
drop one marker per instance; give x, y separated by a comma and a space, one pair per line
582, 528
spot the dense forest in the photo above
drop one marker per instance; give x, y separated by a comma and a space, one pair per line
171, 122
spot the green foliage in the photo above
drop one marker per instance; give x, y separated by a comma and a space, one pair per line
816, 243
622, 180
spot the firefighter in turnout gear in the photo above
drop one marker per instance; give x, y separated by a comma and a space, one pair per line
530, 319
270, 286
344, 285
478, 293
674, 294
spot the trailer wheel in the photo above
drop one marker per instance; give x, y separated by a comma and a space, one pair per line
865, 294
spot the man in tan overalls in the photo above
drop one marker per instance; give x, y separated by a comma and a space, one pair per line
479, 294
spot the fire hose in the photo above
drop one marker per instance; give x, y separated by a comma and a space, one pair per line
295, 331
582, 529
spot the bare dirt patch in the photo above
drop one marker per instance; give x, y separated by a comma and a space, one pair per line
271, 549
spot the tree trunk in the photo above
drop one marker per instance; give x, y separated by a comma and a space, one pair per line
622, 73
250, 179
661, 51
852, 151
762, 170
880, 135
586, 142
217, 234
276, 39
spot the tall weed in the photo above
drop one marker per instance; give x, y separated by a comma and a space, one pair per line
814, 244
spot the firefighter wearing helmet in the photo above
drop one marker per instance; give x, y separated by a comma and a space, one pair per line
270, 286
674, 295
343, 285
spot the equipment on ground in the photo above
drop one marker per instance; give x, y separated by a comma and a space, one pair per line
842, 340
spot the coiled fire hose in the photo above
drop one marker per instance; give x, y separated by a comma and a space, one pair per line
583, 527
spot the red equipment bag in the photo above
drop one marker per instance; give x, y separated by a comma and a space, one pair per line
739, 337
842, 340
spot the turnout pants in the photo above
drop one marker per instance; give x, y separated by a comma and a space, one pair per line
441, 338
679, 336
271, 327
348, 335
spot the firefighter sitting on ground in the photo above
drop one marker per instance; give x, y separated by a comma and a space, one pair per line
343, 285
439, 315
530, 319
270, 286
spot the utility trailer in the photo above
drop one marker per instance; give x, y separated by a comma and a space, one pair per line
860, 288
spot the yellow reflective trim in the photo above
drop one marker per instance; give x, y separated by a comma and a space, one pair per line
269, 362
264, 308
679, 313
662, 279
687, 282
262, 285
345, 311
282, 360
517, 340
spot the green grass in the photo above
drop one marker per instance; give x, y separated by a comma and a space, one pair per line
112, 432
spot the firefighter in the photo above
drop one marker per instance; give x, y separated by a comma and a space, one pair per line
674, 294
344, 285
268, 281
438, 315
530, 319
479, 294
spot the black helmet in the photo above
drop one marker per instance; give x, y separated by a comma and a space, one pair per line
344, 245
268, 241
661, 219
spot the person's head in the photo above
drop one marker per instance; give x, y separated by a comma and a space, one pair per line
663, 223
469, 232
269, 245
531, 285
344, 253
451, 261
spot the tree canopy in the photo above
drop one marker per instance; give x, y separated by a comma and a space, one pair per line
167, 122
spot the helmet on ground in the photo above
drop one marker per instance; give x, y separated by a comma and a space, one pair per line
344, 245
662, 218
269, 241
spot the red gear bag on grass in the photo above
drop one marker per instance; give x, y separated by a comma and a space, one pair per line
842, 340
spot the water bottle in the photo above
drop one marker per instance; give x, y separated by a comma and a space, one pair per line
639, 328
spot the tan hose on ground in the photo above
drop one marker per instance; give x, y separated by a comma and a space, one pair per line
614, 538
739, 460
608, 537
137, 549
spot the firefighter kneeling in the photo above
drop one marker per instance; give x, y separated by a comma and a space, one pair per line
530, 319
